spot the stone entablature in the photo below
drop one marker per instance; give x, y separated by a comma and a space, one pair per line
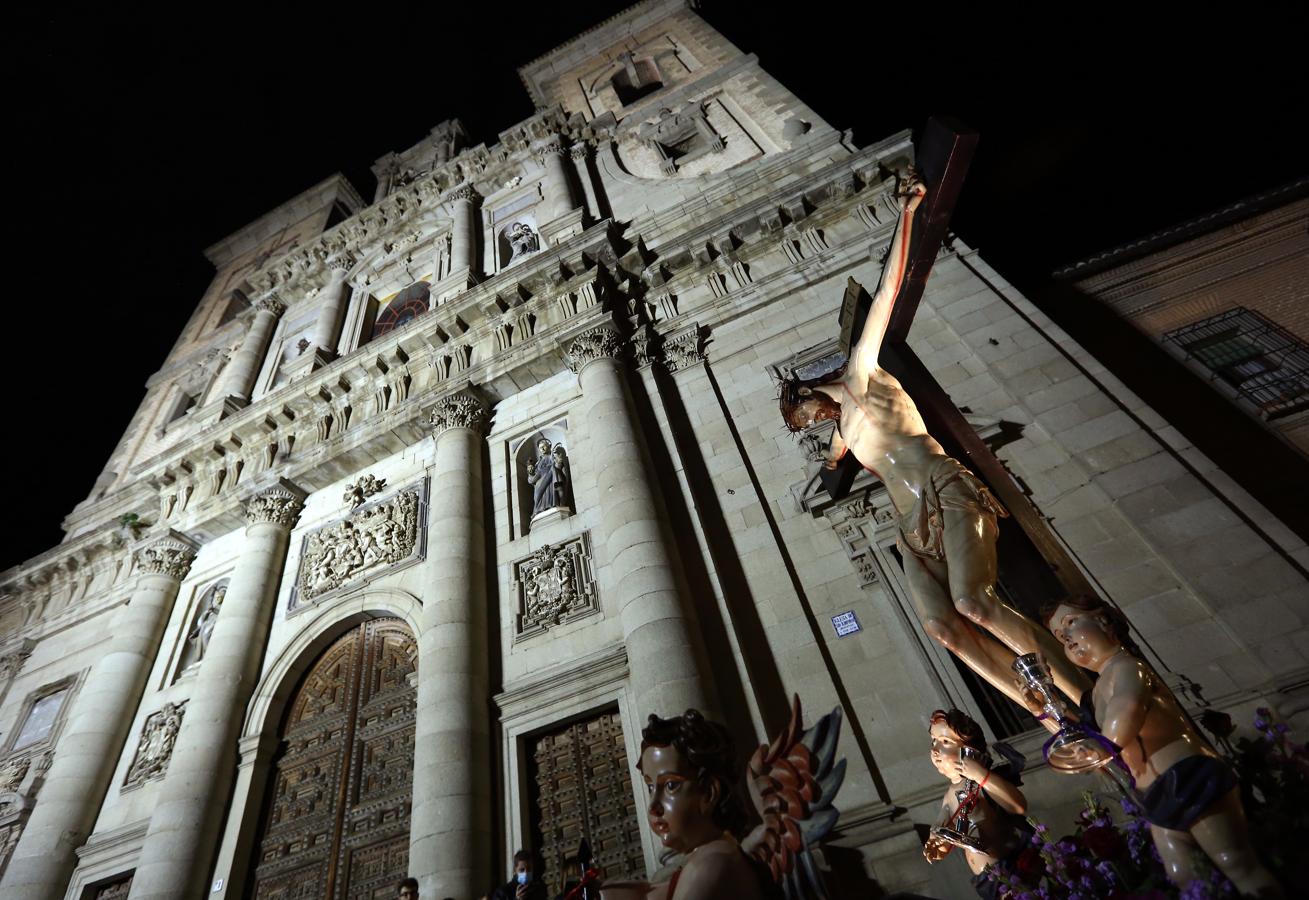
374, 539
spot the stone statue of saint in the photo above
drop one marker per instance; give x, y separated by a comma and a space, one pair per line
548, 475
203, 629
522, 240
947, 516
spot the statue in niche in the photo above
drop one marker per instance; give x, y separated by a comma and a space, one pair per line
548, 475
1190, 796
523, 241
947, 516
689, 766
203, 629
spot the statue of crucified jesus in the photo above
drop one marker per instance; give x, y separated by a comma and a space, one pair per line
947, 516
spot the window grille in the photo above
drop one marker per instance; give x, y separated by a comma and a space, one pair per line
1266, 364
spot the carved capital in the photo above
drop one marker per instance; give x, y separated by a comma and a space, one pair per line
579, 151
601, 342
271, 303
278, 505
465, 191
549, 146
12, 663
459, 410
685, 350
170, 555
340, 264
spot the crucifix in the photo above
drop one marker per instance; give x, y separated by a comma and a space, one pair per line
947, 516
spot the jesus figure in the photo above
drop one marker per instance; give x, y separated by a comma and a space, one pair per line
947, 517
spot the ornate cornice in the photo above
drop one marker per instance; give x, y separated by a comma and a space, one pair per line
271, 303
601, 342
277, 505
459, 410
169, 555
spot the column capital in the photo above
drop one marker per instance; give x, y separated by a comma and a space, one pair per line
579, 151
550, 145
278, 504
464, 191
169, 554
685, 350
601, 342
460, 409
340, 263
271, 302
12, 659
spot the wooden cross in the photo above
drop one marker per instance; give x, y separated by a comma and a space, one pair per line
942, 158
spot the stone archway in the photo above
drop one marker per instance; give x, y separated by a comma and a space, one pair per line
335, 821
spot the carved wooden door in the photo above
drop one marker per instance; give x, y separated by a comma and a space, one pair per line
582, 788
336, 814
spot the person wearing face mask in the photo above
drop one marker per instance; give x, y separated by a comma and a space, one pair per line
1190, 796
523, 885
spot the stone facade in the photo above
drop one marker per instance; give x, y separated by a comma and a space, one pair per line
692, 228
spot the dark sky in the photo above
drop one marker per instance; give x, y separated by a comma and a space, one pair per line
136, 141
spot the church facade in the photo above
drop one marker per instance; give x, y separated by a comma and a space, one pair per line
439, 496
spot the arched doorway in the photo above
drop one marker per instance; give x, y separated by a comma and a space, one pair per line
335, 822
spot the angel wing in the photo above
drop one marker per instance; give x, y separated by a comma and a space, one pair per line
793, 782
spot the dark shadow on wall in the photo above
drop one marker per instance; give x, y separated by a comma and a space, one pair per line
1257, 460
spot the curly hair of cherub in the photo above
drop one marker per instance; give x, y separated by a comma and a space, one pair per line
1113, 617
709, 749
963, 725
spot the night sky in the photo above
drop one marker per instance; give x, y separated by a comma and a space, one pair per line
135, 142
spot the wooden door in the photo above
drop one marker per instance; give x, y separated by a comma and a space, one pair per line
336, 811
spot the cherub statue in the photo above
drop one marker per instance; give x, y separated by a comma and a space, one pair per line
522, 240
982, 810
947, 517
1190, 796
690, 765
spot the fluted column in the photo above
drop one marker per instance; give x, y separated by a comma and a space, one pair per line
182, 838
667, 671
327, 328
239, 379
92, 743
450, 823
558, 188
463, 236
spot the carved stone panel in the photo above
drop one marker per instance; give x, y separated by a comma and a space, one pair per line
155, 748
554, 585
582, 788
337, 822
374, 539
116, 890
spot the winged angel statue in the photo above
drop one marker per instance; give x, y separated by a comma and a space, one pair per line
690, 768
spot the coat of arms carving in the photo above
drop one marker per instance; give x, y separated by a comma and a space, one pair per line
554, 585
372, 539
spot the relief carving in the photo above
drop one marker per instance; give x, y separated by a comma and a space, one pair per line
12, 773
156, 746
372, 539
554, 585
598, 343
167, 556
460, 410
276, 506
361, 490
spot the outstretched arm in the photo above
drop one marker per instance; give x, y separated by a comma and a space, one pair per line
1004, 792
863, 361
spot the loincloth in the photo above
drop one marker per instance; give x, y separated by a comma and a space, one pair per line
1187, 788
949, 486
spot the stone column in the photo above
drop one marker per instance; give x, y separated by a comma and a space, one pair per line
183, 835
385, 170
580, 154
327, 328
463, 237
450, 825
239, 379
92, 743
666, 664
558, 189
